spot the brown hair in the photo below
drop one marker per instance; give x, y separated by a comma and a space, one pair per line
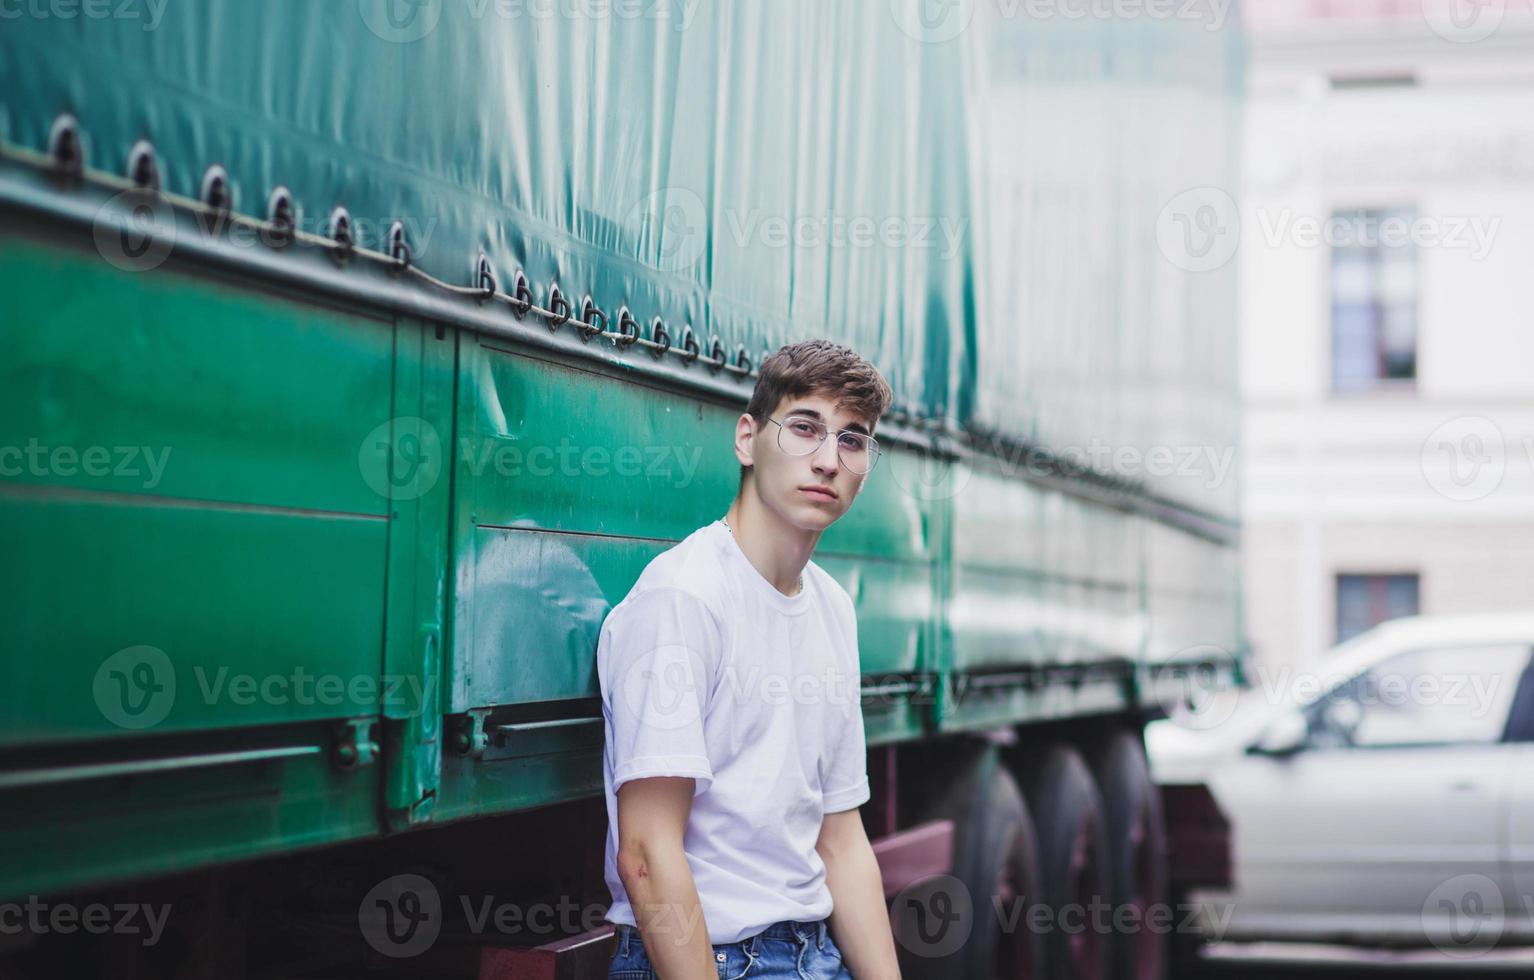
820, 367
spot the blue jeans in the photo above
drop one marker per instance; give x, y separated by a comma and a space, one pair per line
791, 950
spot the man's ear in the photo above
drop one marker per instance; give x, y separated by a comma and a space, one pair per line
745, 430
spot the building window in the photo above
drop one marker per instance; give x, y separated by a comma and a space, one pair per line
1365, 601
1374, 299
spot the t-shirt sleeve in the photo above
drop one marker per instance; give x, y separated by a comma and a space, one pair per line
657, 658
845, 780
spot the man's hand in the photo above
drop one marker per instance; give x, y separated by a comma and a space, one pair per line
859, 918
652, 816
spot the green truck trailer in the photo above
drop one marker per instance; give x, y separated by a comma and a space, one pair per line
355, 357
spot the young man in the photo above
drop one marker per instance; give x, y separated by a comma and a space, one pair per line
735, 759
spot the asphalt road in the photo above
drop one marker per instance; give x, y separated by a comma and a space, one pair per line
1325, 963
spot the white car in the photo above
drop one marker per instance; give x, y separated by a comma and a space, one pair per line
1386, 798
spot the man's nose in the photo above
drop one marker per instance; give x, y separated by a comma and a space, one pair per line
826, 459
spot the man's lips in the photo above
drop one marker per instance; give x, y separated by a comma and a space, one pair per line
824, 493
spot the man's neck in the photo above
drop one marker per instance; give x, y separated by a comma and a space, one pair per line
774, 547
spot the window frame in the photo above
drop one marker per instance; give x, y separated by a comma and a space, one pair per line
1517, 727
1380, 384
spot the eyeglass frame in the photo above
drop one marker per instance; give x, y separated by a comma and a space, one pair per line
873, 443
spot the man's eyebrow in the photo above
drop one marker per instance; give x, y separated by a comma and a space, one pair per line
812, 413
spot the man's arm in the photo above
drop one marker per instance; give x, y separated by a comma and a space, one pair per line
859, 919
652, 816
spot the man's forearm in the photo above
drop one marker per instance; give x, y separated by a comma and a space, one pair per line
665, 901
859, 918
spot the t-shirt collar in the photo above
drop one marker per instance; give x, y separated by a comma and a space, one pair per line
756, 581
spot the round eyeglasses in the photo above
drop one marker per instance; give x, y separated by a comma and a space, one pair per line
800, 435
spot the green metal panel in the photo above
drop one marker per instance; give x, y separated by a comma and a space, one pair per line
257, 618
420, 497
1040, 577
255, 555
183, 641
240, 398
83, 833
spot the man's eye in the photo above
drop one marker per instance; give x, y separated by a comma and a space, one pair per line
802, 428
854, 443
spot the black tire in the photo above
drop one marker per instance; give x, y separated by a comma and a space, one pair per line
995, 862
1073, 848
1137, 850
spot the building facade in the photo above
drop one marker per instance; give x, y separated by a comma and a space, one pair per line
1386, 269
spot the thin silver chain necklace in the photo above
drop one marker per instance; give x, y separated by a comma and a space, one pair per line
798, 592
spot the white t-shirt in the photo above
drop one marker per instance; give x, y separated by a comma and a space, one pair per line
708, 671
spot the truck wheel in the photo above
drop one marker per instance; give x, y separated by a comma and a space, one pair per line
1136, 856
995, 865
1019, 952
1073, 848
